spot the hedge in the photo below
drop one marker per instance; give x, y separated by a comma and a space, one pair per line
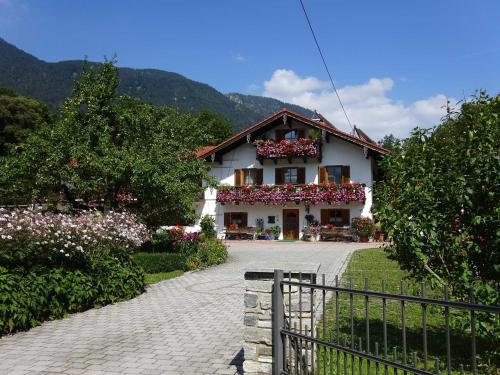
27, 300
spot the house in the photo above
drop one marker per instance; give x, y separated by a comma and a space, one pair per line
286, 167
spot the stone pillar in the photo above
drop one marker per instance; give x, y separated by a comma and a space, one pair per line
258, 314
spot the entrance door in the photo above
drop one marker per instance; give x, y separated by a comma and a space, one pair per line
291, 224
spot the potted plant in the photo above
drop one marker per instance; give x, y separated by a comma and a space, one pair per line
363, 227
378, 235
311, 233
274, 232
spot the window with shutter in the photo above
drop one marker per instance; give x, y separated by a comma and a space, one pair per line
260, 176
239, 219
346, 174
322, 175
238, 177
301, 175
336, 217
280, 133
278, 176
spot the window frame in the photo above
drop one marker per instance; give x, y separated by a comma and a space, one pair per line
285, 169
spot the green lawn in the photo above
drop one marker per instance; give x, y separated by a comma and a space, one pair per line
152, 278
373, 265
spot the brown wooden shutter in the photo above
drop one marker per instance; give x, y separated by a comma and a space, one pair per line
238, 177
227, 219
301, 175
278, 176
346, 216
301, 133
280, 134
322, 175
325, 216
244, 219
259, 176
346, 174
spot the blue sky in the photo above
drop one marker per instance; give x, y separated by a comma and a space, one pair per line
396, 62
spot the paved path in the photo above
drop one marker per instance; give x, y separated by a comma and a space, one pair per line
189, 325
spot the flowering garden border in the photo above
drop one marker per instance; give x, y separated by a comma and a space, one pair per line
282, 194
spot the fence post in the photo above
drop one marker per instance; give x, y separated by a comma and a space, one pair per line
278, 323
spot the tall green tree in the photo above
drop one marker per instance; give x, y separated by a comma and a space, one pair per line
19, 115
440, 201
112, 150
216, 126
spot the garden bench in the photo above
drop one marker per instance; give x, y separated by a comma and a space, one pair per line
240, 234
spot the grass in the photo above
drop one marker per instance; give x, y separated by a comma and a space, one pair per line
373, 265
152, 278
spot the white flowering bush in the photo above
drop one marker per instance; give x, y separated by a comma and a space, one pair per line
46, 238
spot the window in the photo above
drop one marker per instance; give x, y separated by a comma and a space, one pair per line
337, 174
250, 176
291, 135
337, 217
240, 219
271, 219
334, 174
290, 175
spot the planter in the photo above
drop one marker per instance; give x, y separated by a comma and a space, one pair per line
363, 238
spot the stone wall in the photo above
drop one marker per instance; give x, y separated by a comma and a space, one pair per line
258, 315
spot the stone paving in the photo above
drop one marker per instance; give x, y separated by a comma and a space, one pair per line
189, 325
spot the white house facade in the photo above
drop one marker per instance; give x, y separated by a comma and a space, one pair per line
288, 170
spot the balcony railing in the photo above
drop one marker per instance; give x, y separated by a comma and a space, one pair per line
281, 194
302, 148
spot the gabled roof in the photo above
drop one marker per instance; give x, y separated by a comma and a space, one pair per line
320, 123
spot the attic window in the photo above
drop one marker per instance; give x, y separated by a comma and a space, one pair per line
290, 135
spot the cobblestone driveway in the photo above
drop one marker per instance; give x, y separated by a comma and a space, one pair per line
189, 325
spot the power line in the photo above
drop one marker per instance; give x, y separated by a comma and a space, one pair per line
324, 63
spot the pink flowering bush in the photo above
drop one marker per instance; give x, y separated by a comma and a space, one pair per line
31, 237
280, 195
284, 149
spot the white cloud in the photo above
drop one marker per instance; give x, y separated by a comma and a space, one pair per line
240, 58
368, 105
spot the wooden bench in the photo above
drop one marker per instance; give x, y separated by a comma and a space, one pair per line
336, 234
240, 234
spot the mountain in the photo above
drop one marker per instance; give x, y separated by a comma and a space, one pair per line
52, 83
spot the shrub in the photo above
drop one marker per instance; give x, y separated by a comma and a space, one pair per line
209, 253
439, 201
30, 238
27, 300
160, 241
363, 226
207, 224
160, 262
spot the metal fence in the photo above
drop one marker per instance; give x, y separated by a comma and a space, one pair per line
343, 335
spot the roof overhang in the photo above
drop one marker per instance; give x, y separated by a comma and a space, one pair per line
286, 117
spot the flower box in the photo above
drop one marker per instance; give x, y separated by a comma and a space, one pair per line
282, 194
302, 148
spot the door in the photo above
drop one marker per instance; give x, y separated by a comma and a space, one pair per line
291, 224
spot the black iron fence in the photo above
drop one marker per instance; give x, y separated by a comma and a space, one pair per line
338, 329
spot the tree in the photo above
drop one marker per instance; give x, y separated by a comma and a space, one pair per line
218, 127
18, 116
440, 201
390, 142
112, 150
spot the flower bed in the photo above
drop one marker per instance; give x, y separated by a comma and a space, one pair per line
52, 264
303, 147
281, 194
